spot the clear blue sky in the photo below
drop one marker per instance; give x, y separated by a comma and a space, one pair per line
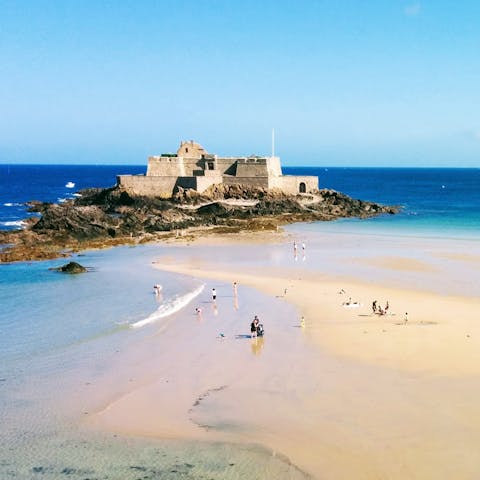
344, 82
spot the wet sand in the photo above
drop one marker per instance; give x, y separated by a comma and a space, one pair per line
351, 394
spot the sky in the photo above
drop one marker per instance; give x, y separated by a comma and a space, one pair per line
343, 82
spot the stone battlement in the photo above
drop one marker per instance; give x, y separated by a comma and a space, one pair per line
193, 167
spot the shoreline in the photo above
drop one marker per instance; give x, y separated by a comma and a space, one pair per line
114, 216
403, 379
329, 334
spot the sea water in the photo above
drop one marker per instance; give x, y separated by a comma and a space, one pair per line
49, 183
433, 201
70, 342
61, 334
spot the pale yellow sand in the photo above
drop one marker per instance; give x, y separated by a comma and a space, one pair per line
441, 336
351, 395
465, 257
399, 263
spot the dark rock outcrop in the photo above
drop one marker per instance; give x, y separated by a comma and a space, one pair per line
79, 222
71, 267
111, 216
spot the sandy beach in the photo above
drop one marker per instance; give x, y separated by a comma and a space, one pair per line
351, 394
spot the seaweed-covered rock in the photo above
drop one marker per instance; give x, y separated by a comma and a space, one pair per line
71, 267
105, 217
80, 222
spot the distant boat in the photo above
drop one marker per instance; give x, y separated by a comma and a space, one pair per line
70, 185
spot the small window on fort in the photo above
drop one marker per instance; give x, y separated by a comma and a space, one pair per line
210, 166
186, 150
302, 188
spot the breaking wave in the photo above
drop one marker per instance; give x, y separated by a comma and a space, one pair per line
169, 307
16, 223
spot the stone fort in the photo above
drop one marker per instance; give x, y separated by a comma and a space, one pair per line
193, 167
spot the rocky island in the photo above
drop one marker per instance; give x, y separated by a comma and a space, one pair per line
108, 217
189, 193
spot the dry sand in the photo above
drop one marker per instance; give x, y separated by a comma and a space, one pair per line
350, 395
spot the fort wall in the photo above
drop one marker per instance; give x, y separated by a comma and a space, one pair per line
164, 186
292, 184
256, 182
273, 167
204, 182
252, 167
148, 186
169, 166
182, 166
193, 167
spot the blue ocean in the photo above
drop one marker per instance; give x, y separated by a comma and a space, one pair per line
434, 201
57, 331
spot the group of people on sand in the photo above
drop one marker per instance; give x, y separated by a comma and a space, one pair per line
295, 250
376, 307
295, 247
378, 310
256, 328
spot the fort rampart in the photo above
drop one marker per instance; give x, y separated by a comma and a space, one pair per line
200, 170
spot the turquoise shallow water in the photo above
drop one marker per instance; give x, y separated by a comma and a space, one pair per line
44, 310
64, 337
67, 346
80, 456
61, 334
402, 225
434, 201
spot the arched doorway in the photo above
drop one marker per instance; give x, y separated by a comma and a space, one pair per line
302, 188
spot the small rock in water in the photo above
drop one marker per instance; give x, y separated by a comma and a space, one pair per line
71, 267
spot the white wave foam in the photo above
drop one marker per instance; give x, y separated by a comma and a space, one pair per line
13, 223
70, 185
11, 204
61, 200
76, 194
170, 307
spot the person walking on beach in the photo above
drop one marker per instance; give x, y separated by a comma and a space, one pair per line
294, 247
253, 326
235, 289
214, 294
374, 306
405, 318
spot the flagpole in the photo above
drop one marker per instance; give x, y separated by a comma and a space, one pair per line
273, 142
